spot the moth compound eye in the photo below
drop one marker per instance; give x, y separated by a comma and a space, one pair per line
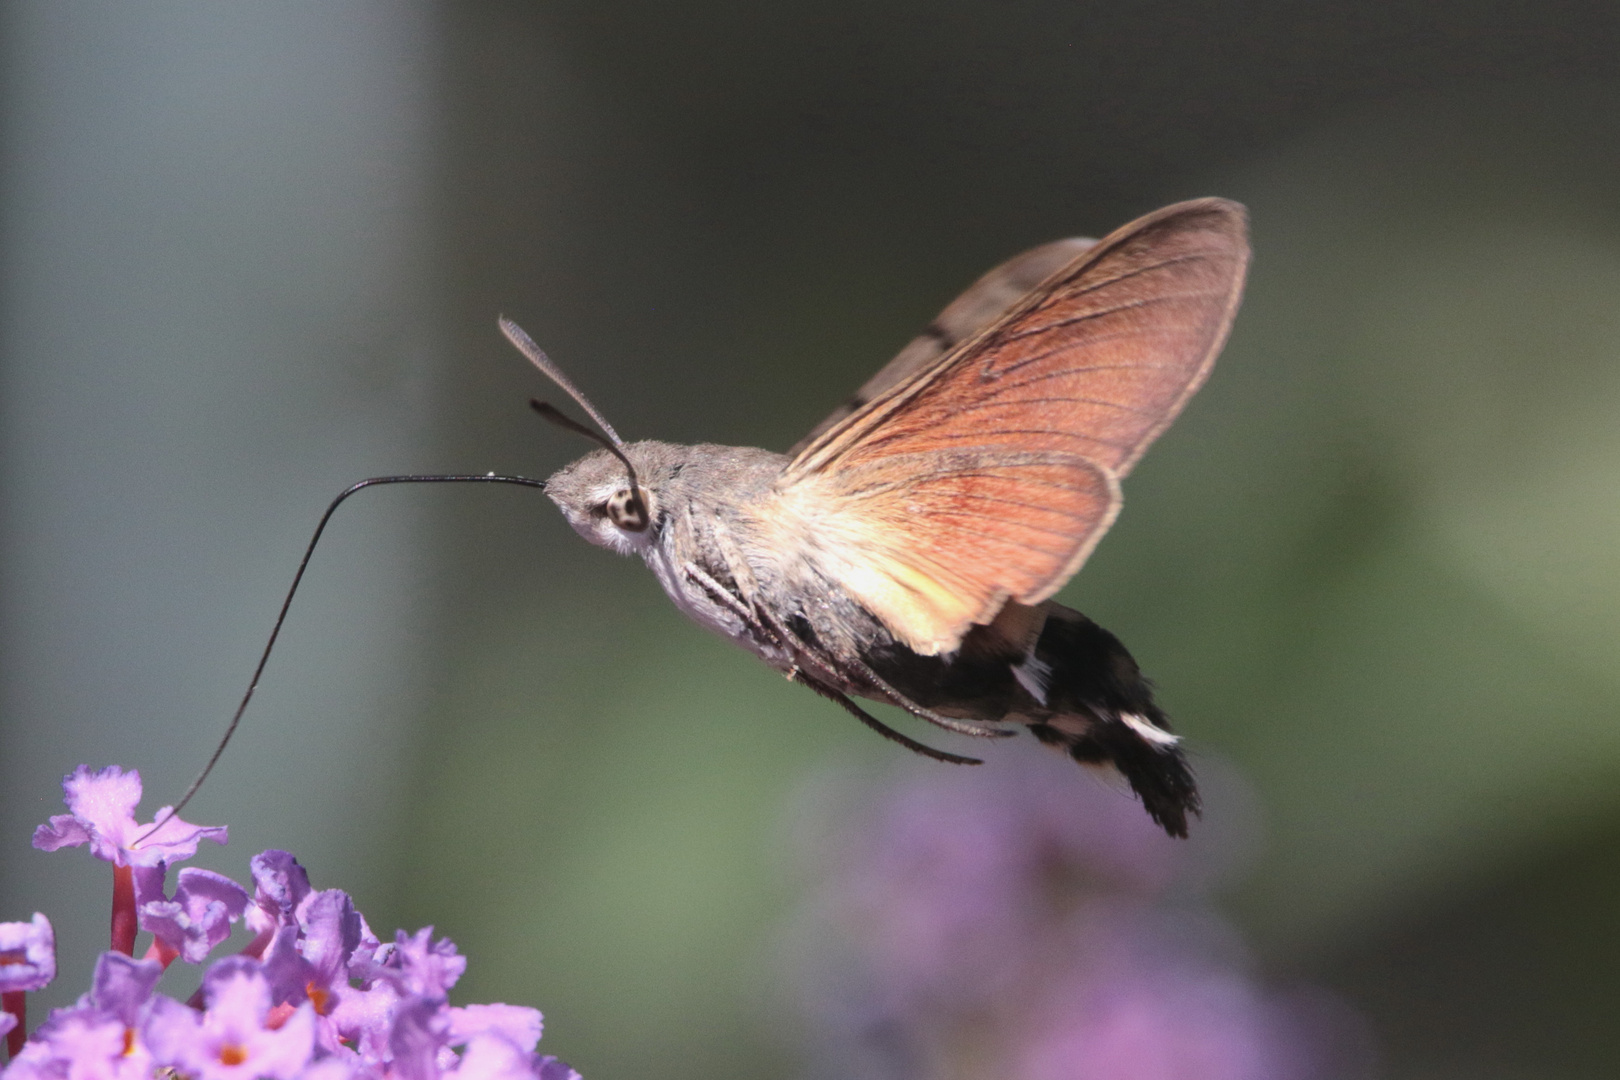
626, 510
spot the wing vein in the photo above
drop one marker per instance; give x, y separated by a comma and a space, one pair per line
962, 436
1174, 260
1002, 538
1090, 342
1044, 508
886, 486
1130, 305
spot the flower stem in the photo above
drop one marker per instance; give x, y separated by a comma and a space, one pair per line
123, 910
15, 1002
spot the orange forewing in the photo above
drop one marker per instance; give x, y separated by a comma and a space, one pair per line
993, 472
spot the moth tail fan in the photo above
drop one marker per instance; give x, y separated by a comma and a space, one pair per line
1099, 710
1157, 771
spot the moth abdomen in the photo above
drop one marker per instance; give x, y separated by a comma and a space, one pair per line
1101, 710
1072, 683
1158, 773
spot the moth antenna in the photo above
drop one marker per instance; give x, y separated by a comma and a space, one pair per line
536, 356
281, 616
613, 444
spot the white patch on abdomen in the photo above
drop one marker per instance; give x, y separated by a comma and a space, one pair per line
1155, 735
1035, 676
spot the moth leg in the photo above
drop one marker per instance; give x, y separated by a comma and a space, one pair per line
855, 671
764, 628
961, 727
722, 595
883, 729
761, 623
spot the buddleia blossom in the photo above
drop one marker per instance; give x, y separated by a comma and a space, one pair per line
1013, 923
314, 995
27, 962
27, 955
101, 813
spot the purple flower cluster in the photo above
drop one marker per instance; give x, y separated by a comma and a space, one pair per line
1018, 923
315, 995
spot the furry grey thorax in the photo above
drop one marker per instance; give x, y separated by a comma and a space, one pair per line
708, 506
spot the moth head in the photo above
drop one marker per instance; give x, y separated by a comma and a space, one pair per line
612, 515
600, 501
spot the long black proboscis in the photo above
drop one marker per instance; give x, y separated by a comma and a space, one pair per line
281, 616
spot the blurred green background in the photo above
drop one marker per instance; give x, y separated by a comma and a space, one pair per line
254, 252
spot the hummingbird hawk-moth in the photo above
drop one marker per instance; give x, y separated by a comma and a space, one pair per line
906, 550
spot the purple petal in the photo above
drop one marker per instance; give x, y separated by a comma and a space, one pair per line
123, 985
78, 1044
192, 938
365, 952
102, 806
63, 830
425, 966
332, 931
367, 1018
282, 1053
231, 1041
334, 1067
7, 1022
280, 885
174, 841
169, 1031
286, 969
205, 885
491, 1057
199, 917
519, 1025
150, 882
27, 954
236, 990
552, 1068
419, 1032
103, 801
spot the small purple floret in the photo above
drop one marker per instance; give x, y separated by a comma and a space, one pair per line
333, 930
517, 1024
230, 1041
122, 986
314, 996
27, 954
419, 1031
199, 917
80, 1044
490, 1057
419, 965
279, 886
102, 814
1041, 929
553, 1068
